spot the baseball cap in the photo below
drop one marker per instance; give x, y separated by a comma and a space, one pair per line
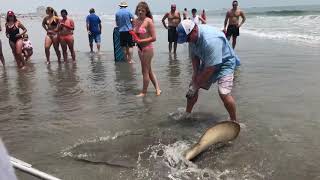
184, 29
10, 13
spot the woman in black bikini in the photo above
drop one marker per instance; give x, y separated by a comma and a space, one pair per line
50, 24
13, 27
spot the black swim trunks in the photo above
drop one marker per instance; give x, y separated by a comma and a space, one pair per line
172, 34
126, 39
232, 30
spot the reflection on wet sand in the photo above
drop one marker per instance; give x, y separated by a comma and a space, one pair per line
174, 71
25, 84
4, 84
125, 78
66, 90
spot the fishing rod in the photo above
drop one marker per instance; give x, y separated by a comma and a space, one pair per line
27, 168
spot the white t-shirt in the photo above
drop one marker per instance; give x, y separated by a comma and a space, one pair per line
196, 19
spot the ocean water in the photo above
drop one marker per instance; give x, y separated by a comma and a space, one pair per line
295, 24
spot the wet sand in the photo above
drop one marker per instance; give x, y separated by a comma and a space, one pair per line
51, 111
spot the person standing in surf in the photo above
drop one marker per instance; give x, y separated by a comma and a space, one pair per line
204, 16
213, 60
94, 29
1, 54
13, 27
173, 20
185, 14
146, 34
232, 20
66, 27
124, 20
50, 25
196, 18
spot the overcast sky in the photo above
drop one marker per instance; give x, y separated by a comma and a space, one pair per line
110, 6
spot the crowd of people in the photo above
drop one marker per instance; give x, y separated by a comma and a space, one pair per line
212, 58
59, 32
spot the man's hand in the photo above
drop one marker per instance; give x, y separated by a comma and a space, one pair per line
89, 32
193, 88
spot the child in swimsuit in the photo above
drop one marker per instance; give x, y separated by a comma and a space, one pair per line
27, 47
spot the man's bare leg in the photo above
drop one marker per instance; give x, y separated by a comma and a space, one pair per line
234, 41
129, 54
175, 47
191, 102
170, 47
230, 105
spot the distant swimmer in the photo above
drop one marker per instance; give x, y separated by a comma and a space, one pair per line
204, 16
232, 20
13, 27
173, 20
94, 29
185, 14
50, 25
213, 60
124, 20
66, 28
196, 18
27, 48
1, 54
145, 34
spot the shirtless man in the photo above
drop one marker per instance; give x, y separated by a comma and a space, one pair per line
173, 21
232, 17
185, 14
